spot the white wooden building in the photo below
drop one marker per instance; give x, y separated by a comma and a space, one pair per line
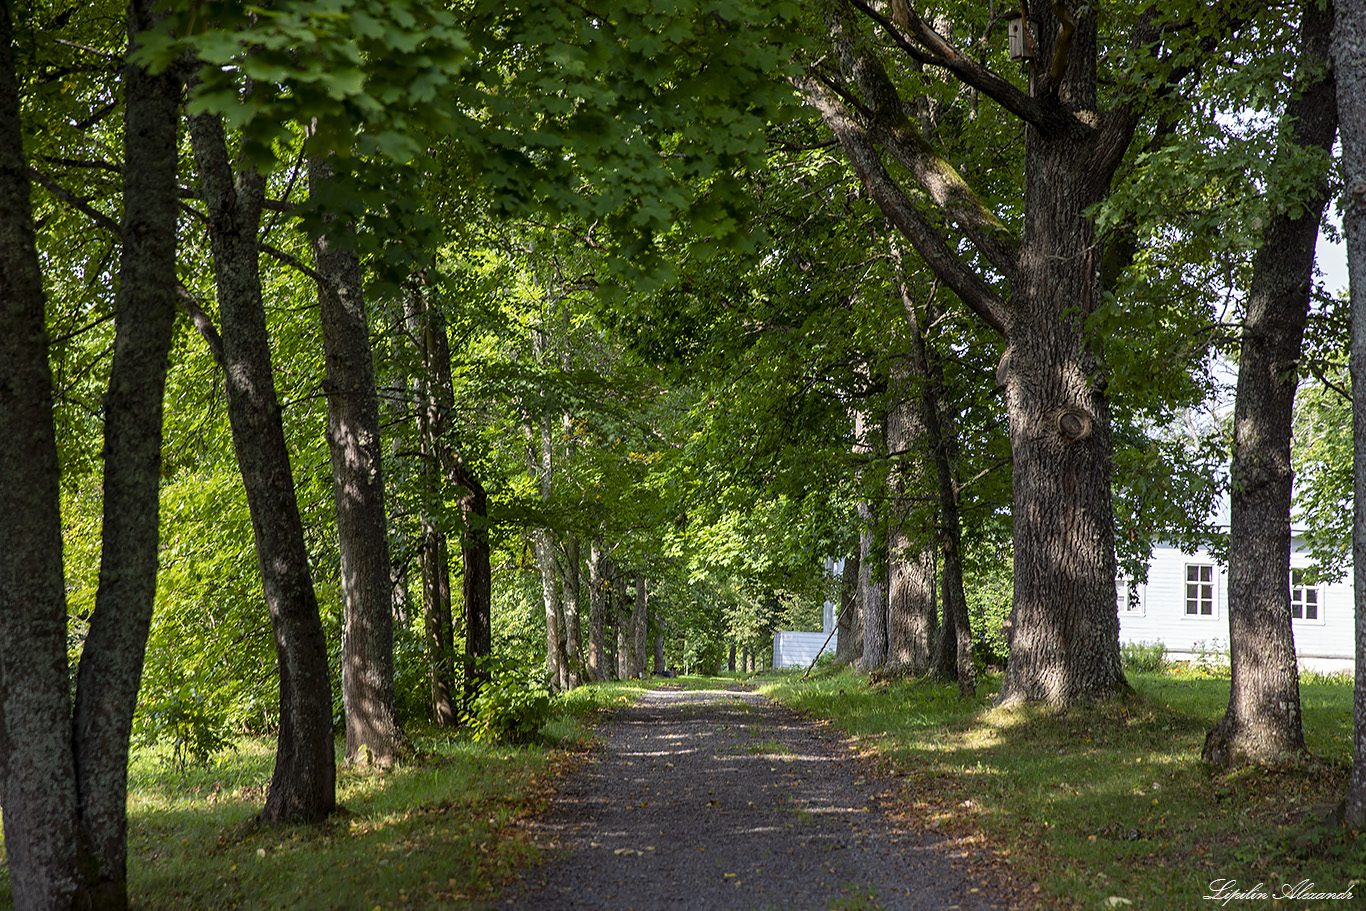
1184, 605
799, 649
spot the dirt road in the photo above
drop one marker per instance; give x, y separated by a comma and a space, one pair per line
718, 800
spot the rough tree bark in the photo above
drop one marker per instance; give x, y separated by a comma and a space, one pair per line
37, 763
910, 543
470, 496
573, 638
303, 785
1262, 723
1349, 57
434, 551
373, 733
110, 668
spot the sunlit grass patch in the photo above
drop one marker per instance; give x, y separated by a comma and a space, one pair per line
1104, 800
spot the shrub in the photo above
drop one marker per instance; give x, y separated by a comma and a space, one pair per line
512, 707
194, 728
1143, 656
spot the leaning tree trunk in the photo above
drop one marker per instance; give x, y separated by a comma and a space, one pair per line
303, 785
910, 544
1349, 57
111, 662
372, 728
1262, 723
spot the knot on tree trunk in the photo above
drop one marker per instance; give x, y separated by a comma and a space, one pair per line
1074, 425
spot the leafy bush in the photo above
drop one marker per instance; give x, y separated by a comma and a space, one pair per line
195, 729
511, 708
1143, 656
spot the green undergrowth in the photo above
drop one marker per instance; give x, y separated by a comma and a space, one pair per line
441, 830
1107, 805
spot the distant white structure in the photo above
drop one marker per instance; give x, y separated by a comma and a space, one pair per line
1184, 605
794, 649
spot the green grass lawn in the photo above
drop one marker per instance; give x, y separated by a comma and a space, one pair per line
1107, 806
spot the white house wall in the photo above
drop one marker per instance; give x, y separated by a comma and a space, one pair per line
1160, 615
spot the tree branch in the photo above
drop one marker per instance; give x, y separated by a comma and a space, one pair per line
1044, 114
890, 128
900, 211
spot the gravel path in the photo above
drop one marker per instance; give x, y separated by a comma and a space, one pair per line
712, 800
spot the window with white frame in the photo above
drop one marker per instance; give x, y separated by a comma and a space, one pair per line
1130, 596
1200, 590
1305, 600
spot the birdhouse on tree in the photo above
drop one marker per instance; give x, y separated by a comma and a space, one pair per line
1021, 42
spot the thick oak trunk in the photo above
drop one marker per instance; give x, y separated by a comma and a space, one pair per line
303, 785
373, 733
1349, 57
1065, 643
1262, 723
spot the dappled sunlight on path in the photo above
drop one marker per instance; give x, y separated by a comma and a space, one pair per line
719, 799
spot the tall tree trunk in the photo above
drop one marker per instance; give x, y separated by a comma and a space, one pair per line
544, 547
1065, 646
1349, 56
730, 662
910, 544
470, 495
303, 785
111, 662
597, 611
477, 585
849, 639
37, 764
659, 653
372, 728
434, 554
872, 591
436, 623
640, 619
953, 656
573, 639
1262, 723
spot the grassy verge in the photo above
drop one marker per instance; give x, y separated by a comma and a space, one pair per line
440, 831
1108, 806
